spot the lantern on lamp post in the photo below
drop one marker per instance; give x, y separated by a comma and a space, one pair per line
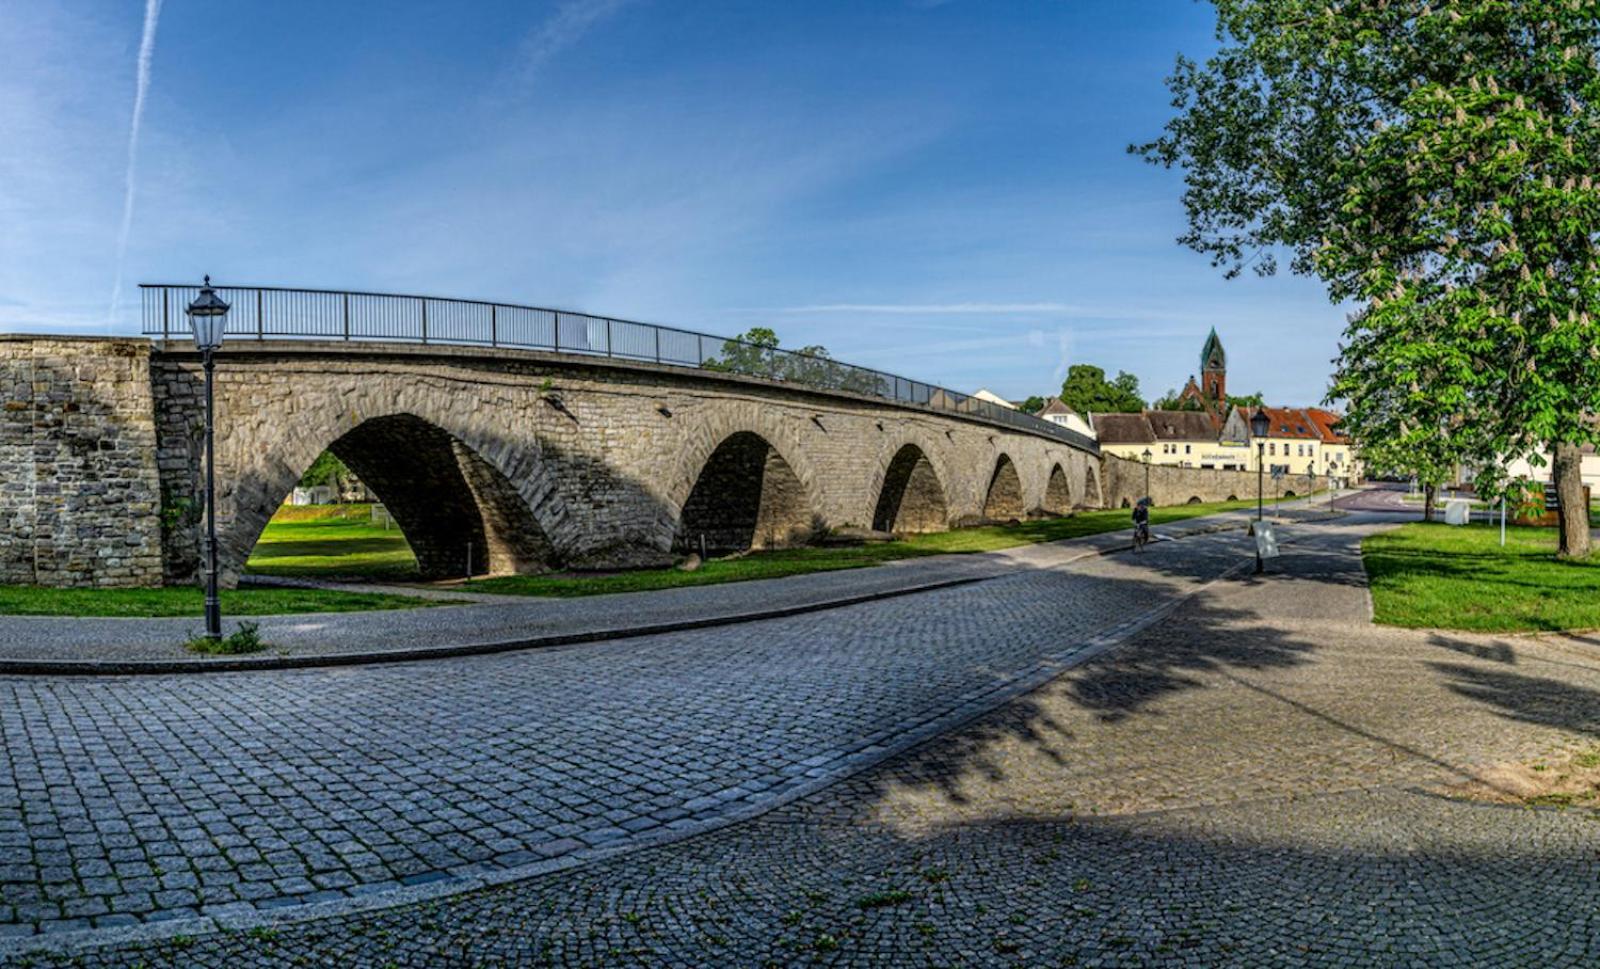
208, 318
1147, 456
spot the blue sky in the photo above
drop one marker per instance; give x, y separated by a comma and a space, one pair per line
939, 189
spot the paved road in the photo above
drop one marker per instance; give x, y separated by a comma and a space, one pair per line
1379, 497
125, 800
1263, 778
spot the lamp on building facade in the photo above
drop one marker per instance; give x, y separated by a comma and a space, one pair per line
208, 317
1260, 423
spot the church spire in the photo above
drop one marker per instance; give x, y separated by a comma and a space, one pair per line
1212, 356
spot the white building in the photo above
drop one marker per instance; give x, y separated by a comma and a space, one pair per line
1058, 413
984, 393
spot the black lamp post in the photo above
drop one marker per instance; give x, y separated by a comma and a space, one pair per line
1147, 457
1260, 423
208, 317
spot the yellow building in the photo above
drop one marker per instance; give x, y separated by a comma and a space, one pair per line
1299, 440
1183, 438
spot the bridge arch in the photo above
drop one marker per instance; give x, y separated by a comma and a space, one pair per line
1057, 492
746, 494
452, 497
1003, 499
910, 492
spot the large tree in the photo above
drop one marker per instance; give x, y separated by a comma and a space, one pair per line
1432, 164
1086, 390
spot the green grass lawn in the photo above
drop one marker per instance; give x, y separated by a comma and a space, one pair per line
320, 541
1458, 577
32, 600
784, 562
331, 541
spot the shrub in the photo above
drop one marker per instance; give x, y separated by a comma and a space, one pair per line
245, 639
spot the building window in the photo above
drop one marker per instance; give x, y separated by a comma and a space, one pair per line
1186, 449
1272, 449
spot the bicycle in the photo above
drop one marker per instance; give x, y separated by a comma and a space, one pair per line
1141, 536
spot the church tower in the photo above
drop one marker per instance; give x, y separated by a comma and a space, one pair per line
1214, 371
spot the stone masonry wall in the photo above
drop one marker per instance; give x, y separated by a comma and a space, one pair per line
567, 462
603, 455
80, 497
1169, 485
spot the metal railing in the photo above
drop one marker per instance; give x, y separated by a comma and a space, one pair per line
266, 312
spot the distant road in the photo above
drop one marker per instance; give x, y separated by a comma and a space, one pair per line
1384, 496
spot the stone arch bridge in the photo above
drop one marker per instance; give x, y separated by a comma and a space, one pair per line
527, 461
492, 458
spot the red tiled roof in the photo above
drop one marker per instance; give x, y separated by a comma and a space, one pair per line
1290, 422
1327, 424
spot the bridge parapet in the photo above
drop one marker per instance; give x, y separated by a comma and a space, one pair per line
273, 313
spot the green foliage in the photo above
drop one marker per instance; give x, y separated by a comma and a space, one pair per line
756, 354
1032, 405
177, 511
188, 600
1525, 498
245, 639
328, 470
1174, 400
1433, 164
1086, 389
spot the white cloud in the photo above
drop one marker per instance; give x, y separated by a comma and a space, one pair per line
141, 89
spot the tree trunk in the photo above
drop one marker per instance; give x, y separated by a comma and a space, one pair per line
1567, 470
1428, 492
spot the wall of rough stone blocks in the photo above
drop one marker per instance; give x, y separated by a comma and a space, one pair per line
603, 454
80, 497
1125, 483
572, 462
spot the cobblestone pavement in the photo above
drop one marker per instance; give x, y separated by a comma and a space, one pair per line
1254, 781
129, 799
518, 618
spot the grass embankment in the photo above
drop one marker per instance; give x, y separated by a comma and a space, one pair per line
317, 541
331, 541
785, 562
1458, 577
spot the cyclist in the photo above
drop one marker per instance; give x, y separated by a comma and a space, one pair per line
1141, 523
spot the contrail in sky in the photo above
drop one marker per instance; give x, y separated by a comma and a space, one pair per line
564, 28
147, 50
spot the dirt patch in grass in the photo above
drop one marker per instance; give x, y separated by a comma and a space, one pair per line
1568, 777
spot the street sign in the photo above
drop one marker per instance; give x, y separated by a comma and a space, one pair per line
1266, 540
